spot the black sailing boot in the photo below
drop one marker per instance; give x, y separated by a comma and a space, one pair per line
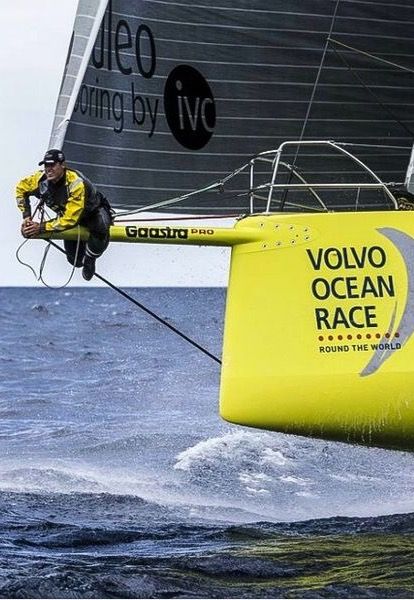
88, 270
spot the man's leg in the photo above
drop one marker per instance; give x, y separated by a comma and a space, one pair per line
71, 254
98, 224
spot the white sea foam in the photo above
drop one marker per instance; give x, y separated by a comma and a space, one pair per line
287, 478
48, 480
230, 477
295, 480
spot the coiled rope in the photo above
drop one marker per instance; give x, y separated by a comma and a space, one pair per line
41, 209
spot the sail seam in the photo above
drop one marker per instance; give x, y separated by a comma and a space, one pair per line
237, 137
281, 13
333, 68
235, 9
254, 10
270, 29
266, 47
85, 16
274, 101
222, 119
277, 83
245, 154
196, 172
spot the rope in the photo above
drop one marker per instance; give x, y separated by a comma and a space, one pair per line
148, 311
42, 265
43, 262
41, 209
17, 254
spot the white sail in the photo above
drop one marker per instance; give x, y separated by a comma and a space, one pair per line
87, 22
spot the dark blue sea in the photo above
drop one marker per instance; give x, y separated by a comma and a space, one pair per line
118, 479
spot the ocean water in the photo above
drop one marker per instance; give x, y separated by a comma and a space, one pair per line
118, 479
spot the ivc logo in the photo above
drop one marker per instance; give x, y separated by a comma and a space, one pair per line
189, 107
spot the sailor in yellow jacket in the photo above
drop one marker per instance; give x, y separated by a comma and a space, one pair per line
75, 201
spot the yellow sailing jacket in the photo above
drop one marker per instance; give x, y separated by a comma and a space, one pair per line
71, 198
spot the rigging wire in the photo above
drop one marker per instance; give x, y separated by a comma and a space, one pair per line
310, 103
318, 75
372, 56
380, 146
368, 89
148, 311
181, 218
217, 185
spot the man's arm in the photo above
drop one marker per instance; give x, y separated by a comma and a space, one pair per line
28, 186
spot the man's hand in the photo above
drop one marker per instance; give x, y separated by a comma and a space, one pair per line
30, 228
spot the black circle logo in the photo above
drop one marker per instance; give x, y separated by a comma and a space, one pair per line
189, 107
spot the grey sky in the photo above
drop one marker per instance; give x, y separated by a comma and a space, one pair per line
33, 47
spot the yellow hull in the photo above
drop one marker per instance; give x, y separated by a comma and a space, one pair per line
319, 322
318, 330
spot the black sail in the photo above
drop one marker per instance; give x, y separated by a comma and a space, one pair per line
177, 94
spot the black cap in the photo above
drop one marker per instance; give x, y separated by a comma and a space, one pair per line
52, 156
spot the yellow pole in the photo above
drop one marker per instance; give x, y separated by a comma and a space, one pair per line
147, 233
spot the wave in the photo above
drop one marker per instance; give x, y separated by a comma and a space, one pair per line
106, 547
235, 477
288, 478
48, 480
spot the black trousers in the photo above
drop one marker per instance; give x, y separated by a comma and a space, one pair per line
98, 223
